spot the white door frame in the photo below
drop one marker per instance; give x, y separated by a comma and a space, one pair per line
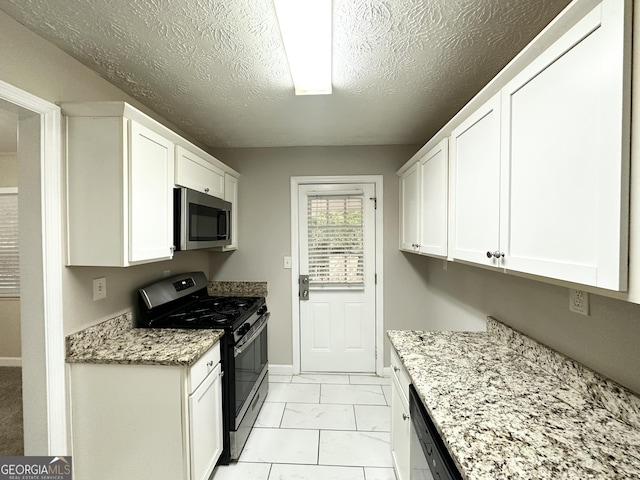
41, 262
295, 262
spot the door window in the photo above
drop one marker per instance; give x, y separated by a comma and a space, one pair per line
336, 240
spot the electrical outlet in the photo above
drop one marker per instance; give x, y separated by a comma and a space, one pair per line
579, 301
99, 288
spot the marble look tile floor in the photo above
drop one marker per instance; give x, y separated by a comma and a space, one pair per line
319, 427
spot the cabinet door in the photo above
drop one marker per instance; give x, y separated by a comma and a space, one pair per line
198, 174
205, 426
231, 195
475, 185
434, 200
150, 195
400, 433
565, 155
409, 191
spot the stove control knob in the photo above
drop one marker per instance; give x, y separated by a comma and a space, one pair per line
262, 310
245, 328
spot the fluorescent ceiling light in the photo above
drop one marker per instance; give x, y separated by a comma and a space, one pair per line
305, 26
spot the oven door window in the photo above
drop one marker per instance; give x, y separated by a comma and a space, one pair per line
249, 365
206, 223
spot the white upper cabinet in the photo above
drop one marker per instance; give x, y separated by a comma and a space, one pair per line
424, 203
122, 167
434, 200
409, 215
475, 187
540, 173
196, 173
565, 150
119, 190
150, 200
231, 195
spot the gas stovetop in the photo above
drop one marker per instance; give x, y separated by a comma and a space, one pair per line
214, 312
182, 302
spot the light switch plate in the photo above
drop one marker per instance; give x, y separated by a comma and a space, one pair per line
287, 262
99, 288
579, 301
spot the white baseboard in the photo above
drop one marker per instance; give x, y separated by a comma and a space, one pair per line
10, 362
280, 369
288, 370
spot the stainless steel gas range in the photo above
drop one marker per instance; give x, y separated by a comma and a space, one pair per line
182, 302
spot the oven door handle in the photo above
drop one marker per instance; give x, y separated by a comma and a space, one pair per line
238, 350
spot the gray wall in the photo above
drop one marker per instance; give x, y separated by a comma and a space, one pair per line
265, 234
606, 341
40, 68
419, 292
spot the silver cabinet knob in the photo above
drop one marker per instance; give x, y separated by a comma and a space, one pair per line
396, 369
206, 190
495, 254
405, 416
210, 364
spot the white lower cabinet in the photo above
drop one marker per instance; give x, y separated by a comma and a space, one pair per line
146, 421
400, 420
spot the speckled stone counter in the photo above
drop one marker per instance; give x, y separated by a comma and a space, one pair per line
238, 289
115, 341
508, 407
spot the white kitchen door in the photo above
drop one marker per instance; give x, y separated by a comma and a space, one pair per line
337, 255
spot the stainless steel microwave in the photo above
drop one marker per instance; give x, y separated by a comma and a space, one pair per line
200, 220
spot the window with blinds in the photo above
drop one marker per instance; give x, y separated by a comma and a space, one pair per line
9, 258
336, 240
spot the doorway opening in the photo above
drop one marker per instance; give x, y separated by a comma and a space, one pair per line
41, 261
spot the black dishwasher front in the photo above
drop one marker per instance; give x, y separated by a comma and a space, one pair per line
430, 459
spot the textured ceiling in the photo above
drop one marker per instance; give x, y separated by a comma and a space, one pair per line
217, 69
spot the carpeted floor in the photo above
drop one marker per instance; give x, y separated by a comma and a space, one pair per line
11, 436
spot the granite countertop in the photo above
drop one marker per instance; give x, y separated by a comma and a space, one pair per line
116, 342
508, 407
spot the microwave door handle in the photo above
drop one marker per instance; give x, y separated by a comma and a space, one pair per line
228, 224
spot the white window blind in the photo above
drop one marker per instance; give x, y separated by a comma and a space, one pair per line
336, 240
9, 258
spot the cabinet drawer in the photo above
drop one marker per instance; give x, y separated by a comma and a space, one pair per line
203, 367
400, 375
